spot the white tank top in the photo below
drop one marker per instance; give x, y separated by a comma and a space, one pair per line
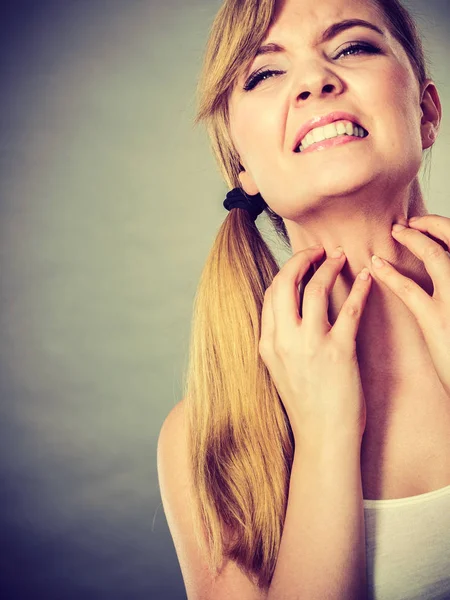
408, 547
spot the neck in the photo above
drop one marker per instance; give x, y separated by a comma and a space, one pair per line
390, 346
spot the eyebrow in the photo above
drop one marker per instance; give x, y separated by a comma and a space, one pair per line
328, 34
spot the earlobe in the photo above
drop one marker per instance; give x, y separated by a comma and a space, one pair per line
429, 136
248, 184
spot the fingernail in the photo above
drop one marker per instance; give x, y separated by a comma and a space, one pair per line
338, 252
398, 227
413, 218
377, 261
364, 274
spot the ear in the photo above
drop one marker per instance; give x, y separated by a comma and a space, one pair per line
431, 114
248, 183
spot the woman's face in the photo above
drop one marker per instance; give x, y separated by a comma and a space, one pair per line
314, 77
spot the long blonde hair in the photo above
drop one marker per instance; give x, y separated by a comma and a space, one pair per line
240, 441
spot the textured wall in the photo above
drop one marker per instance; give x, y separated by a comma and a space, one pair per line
109, 203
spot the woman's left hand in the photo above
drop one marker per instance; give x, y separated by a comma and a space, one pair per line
432, 312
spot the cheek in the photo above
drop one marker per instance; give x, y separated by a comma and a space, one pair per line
403, 90
407, 110
254, 133
402, 132
395, 96
389, 90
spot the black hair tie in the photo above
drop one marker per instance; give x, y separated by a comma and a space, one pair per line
253, 204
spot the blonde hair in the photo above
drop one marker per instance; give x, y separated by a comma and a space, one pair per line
240, 441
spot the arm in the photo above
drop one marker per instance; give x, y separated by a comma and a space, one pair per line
175, 480
322, 552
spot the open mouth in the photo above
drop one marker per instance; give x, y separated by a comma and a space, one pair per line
320, 138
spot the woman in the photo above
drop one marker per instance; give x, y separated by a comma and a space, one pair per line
311, 455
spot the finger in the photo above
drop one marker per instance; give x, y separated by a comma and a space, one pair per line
434, 257
306, 279
436, 226
413, 296
285, 292
316, 295
348, 320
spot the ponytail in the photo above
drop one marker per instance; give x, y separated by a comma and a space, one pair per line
239, 437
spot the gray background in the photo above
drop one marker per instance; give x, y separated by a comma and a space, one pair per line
110, 202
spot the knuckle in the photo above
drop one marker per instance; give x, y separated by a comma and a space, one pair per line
279, 280
316, 289
433, 251
352, 310
309, 349
265, 349
408, 286
343, 348
336, 353
282, 348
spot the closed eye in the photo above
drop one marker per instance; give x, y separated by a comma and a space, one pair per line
254, 79
263, 74
368, 48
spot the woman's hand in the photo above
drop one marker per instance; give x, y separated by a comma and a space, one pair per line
432, 313
313, 365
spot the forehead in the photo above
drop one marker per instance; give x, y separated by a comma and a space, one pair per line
316, 14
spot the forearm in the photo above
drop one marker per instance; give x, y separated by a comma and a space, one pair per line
322, 552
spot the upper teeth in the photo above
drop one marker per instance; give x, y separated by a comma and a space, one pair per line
329, 131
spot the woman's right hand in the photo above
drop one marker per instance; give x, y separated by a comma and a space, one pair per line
313, 364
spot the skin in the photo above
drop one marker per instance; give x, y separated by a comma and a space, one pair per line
350, 196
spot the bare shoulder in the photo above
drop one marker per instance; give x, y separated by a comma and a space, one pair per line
173, 427
175, 486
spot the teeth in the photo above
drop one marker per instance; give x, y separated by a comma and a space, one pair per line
330, 131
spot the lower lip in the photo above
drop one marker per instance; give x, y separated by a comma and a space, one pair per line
337, 141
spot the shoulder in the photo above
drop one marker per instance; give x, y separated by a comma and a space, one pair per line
175, 486
175, 482
172, 457
173, 424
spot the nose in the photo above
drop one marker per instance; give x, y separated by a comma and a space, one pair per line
318, 83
